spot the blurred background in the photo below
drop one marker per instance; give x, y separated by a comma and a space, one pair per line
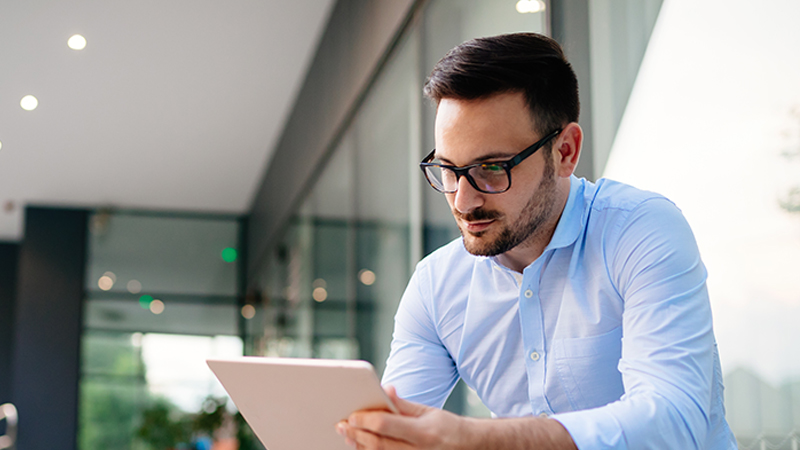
195, 179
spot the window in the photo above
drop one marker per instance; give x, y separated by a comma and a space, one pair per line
161, 297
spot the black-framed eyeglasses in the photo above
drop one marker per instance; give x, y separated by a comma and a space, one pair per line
489, 177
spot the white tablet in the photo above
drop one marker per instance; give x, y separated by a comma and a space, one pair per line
295, 404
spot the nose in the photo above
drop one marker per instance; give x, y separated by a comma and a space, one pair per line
466, 198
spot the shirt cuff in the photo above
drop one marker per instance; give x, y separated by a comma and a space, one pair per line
593, 428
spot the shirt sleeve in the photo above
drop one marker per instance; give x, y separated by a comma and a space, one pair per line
419, 366
667, 345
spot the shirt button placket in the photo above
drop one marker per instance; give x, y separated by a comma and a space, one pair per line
533, 340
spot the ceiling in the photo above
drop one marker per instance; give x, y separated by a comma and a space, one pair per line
172, 105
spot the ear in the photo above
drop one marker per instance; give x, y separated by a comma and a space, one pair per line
567, 149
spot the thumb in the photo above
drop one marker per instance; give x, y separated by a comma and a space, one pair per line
405, 407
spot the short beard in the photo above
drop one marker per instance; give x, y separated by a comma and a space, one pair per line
535, 214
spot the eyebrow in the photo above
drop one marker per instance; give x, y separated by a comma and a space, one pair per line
501, 156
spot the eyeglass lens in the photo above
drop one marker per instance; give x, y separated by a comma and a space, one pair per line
486, 177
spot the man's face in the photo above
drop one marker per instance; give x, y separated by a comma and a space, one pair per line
496, 129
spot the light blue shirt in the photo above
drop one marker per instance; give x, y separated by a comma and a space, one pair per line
609, 331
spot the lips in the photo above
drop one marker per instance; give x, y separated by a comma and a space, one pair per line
478, 225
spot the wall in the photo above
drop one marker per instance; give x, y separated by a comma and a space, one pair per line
47, 327
351, 51
9, 254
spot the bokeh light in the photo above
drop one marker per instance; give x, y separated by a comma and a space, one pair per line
229, 254
77, 42
145, 300
134, 286
366, 277
248, 311
319, 294
156, 306
105, 283
29, 103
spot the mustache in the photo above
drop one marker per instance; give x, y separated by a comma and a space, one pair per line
477, 215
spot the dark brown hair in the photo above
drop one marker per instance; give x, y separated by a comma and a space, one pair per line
529, 63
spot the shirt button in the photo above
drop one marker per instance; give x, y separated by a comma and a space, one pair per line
535, 356
529, 293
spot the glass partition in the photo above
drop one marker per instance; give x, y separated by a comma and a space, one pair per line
161, 298
713, 123
331, 286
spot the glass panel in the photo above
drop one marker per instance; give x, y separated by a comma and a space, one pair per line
382, 139
720, 138
161, 299
162, 255
331, 287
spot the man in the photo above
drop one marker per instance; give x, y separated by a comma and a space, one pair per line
577, 311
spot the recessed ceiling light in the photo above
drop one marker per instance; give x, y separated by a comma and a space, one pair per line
77, 42
29, 103
530, 6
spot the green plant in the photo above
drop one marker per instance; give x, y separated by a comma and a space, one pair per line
163, 428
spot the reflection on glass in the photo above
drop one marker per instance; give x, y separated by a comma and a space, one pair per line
157, 306
319, 294
105, 283
730, 185
143, 365
144, 301
134, 286
369, 214
366, 277
248, 311
229, 254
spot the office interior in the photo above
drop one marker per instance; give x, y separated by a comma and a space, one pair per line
110, 304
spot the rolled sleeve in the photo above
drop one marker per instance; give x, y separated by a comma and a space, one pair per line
667, 345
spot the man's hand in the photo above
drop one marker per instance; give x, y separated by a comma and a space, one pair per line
422, 427
416, 427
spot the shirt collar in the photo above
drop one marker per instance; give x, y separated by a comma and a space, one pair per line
573, 219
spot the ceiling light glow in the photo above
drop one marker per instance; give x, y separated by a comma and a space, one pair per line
29, 103
530, 6
77, 42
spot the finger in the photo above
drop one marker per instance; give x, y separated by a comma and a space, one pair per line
407, 429
366, 440
342, 430
405, 407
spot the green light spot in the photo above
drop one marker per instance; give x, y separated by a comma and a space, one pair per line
229, 255
144, 301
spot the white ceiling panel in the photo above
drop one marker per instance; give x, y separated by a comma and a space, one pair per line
172, 105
